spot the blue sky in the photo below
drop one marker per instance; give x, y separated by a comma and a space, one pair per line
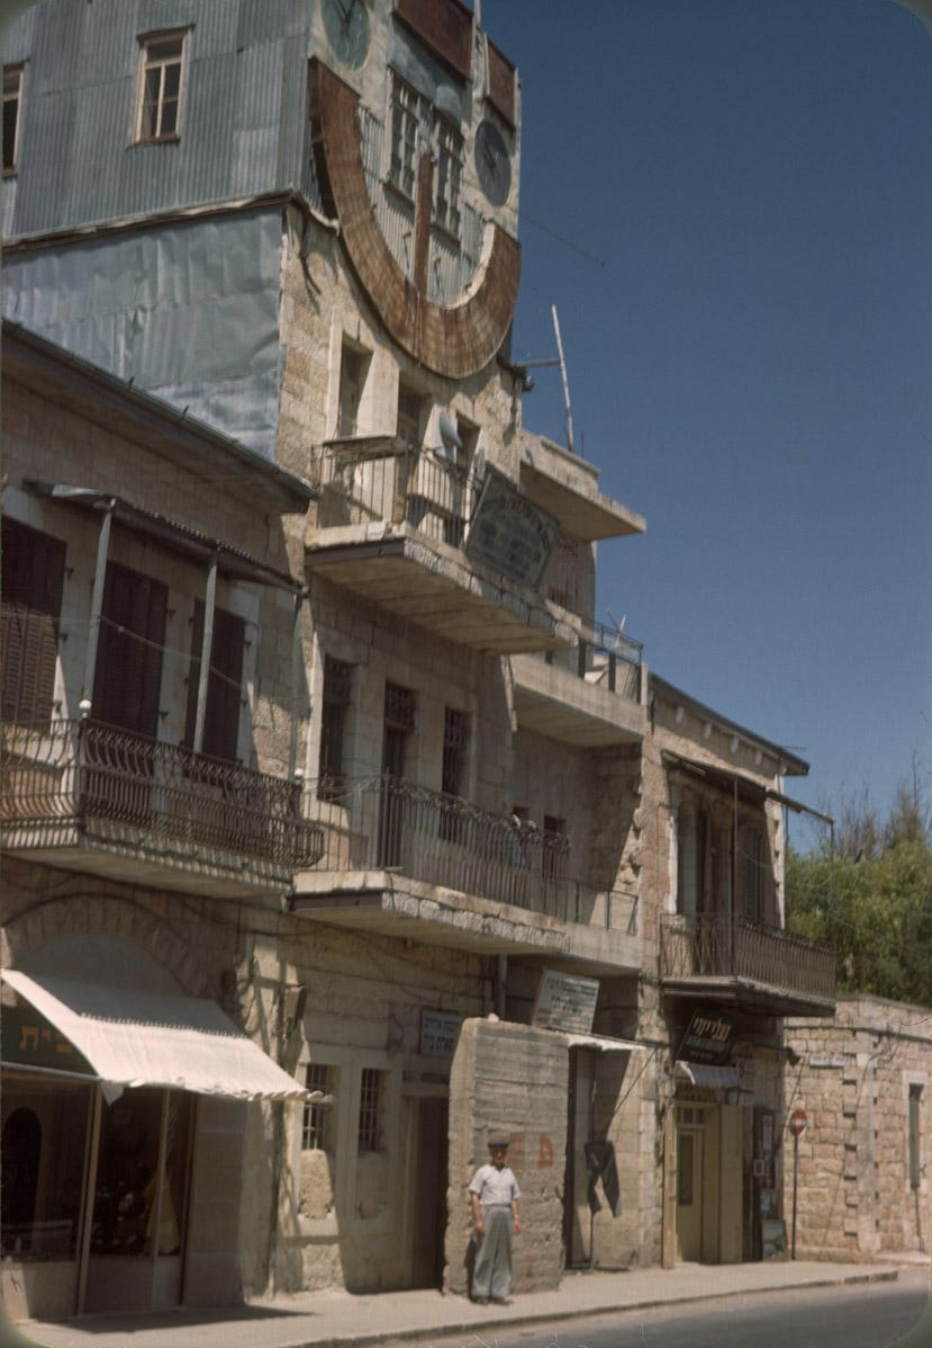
750, 366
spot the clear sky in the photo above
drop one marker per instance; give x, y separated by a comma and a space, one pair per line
750, 356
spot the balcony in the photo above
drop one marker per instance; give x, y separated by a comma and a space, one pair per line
91, 798
406, 861
590, 697
758, 968
394, 525
567, 486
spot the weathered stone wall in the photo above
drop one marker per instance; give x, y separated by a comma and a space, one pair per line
853, 1079
511, 1079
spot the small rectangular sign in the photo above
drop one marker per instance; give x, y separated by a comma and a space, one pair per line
708, 1038
565, 1002
827, 1060
438, 1032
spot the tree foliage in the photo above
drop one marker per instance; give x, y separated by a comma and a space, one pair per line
870, 898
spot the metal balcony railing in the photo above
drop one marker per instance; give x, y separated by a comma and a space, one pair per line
718, 946
606, 658
386, 823
80, 771
384, 479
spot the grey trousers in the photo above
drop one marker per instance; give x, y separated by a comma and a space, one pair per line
492, 1274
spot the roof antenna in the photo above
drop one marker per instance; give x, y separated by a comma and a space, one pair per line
566, 382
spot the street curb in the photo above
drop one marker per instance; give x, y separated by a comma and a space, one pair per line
474, 1328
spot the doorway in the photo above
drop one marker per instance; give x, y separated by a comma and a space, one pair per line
430, 1191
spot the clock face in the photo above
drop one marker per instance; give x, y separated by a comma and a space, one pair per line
493, 164
347, 25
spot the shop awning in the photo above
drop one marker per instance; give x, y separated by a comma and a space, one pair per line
134, 1038
704, 1074
603, 1042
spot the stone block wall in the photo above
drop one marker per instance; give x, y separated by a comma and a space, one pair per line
511, 1079
855, 1199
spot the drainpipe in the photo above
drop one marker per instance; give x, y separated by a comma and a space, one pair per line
501, 978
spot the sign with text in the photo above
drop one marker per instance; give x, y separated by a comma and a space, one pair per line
709, 1038
509, 533
28, 1038
438, 1032
565, 1002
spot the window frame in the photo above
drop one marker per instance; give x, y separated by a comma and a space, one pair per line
449, 166
373, 1094
318, 1122
336, 701
406, 110
146, 41
17, 69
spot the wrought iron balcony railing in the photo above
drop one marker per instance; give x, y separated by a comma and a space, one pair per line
384, 479
719, 946
386, 823
80, 771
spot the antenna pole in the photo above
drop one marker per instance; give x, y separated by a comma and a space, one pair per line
566, 382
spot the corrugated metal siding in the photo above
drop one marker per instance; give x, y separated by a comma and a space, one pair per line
244, 127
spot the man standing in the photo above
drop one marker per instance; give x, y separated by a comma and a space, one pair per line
494, 1195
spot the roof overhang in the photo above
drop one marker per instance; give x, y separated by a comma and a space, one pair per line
132, 1038
191, 543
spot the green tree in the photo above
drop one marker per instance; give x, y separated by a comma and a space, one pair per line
871, 900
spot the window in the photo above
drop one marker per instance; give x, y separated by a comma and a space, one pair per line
353, 365
319, 1115
455, 749
915, 1128
448, 174
410, 415
406, 110
371, 1093
338, 682
128, 678
399, 726
753, 856
33, 573
12, 115
224, 683
692, 847
160, 87
555, 846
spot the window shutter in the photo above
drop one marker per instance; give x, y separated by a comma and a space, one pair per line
128, 678
224, 683
31, 586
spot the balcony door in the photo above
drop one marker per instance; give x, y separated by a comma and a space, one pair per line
128, 678
398, 729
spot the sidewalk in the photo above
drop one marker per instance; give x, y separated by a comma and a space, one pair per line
322, 1319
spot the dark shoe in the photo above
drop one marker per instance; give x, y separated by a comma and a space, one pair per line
501, 1301
480, 1301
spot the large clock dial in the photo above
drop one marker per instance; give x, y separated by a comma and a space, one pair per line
493, 164
347, 25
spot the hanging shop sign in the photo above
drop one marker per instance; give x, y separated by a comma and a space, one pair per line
438, 1032
565, 1002
509, 533
30, 1040
709, 1038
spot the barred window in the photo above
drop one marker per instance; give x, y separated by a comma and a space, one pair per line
317, 1133
160, 87
338, 684
406, 107
455, 750
370, 1109
448, 175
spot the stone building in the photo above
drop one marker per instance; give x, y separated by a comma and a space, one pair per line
424, 787
863, 1081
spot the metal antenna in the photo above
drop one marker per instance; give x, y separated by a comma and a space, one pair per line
566, 382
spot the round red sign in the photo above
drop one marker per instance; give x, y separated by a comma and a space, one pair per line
798, 1122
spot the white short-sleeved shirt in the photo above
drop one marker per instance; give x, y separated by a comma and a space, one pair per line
492, 1185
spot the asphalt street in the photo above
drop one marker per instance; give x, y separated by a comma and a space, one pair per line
869, 1316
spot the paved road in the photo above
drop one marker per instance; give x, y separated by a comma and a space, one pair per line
869, 1316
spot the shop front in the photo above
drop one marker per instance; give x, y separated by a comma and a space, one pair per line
116, 1106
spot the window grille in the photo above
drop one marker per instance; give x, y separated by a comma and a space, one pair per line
160, 94
12, 115
318, 1115
455, 747
399, 708
370, 1108
406, 107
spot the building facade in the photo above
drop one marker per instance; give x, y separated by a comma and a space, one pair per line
342, 746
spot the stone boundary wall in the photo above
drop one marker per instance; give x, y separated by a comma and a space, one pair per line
855, 1199
511, 1079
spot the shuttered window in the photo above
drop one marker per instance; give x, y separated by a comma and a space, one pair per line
224, 683
33, 573
128, 678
